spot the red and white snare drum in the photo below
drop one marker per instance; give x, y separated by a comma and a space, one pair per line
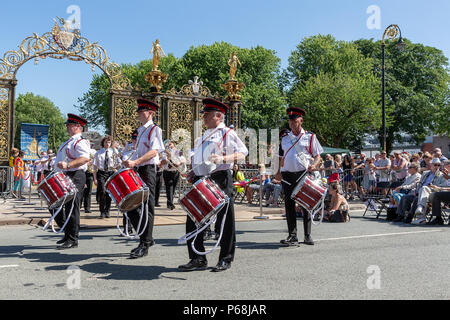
203, 201
127, 189
309, 192
57, 189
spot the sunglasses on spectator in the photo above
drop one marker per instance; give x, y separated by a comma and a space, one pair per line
437, 165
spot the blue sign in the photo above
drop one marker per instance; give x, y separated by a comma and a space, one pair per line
33, 140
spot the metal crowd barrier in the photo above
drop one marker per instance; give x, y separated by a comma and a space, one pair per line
6, 181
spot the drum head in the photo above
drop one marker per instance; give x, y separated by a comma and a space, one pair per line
133, 200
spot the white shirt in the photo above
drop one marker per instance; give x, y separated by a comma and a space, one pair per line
74, 148
176, 157
293, 161
146, 142
127, 151
220, 141
100, 156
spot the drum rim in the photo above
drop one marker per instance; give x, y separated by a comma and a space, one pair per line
58, 202
145, 189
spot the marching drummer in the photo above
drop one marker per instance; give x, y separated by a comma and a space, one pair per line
72, 159
149, 144
300, 151
222, 147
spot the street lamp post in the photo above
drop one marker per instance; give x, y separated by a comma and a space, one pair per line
391, 32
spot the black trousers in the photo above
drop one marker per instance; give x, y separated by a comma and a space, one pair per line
73, 226
436, 198
289, 204
104, 200
170, 181
86, 196
158, 183
148, 175
224, 180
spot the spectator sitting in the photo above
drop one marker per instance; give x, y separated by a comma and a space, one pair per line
431, 181
408, 187
273, 186
339, 210
425, 164
255, 186
441, 195
238, 176
415, 158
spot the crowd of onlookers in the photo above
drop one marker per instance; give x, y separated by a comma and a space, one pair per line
415, 184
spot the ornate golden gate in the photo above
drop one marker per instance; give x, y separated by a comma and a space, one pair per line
179, 109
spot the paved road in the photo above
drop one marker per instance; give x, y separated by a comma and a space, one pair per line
394, 261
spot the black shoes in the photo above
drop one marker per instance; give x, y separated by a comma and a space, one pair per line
308, 240
222, 265
398, 219
157, 205
290, 241
68, 244
61, 241
141, 250
194, 264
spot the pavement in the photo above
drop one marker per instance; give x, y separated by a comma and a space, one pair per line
34, 211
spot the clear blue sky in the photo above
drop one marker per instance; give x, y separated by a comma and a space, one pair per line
126, 30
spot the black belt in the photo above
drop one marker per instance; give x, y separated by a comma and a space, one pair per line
105, 172
147, 165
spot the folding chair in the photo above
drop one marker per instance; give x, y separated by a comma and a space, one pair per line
377, 201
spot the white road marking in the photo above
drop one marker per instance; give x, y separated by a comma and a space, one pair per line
355, 237
379, 235
9, 266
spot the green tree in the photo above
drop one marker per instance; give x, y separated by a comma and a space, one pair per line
338, 88
417, 88
30, 108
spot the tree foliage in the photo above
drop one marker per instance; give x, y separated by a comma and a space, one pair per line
30, 108
338, 88
417, 88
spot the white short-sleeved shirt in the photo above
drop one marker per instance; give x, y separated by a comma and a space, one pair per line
74, 148
100, 156
127, 151
220, 141
308, 146
176, 156
147, 140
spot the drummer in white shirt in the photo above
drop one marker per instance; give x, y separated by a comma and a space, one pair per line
72, 159
214, 155
148, 146
301, 151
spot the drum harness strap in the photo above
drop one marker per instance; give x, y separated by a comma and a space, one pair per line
140, 220
195, 233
